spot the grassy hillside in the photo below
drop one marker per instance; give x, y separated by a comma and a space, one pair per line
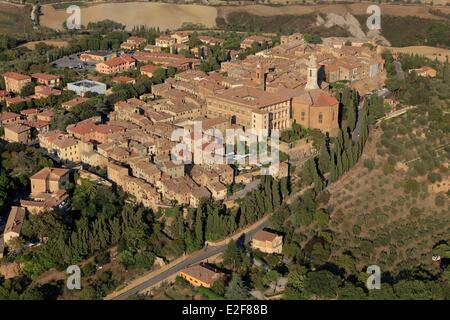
283, 24
414, 31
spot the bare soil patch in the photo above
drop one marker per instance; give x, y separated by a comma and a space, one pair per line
57, 43
162, 15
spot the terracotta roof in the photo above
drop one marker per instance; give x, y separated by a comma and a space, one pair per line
122, 79
17, 128
135, 102
8, 115
119, 60
29, 111
37, 123
4, 93
16, 100
136, 39
108, 128
255, 38
65, 142
322, 99
202, 273
46, 113
317, 98
265, 235
164, 37
50, 173
251, 97
81, 128
75, 101
46, 90
149, 68
15, 220
16, 76
44, 76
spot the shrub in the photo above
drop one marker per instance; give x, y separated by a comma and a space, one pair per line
102, 258
369, 164
439, 200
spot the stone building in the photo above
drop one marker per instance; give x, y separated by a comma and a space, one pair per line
267, 242
15, 82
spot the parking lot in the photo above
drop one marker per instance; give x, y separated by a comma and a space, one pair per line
73, 62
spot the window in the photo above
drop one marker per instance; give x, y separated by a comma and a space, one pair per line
320, 117
303, 116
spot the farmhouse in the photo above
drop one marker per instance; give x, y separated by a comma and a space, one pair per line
267, 242
200, 275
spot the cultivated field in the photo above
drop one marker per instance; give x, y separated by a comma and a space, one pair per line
375, 218
428, 52
164, 16
14, 19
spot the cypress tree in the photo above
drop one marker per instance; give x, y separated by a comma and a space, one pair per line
340, 168
345, 161
199, 222
324, 159
276, 198
114, 227
333, 167
351, 115
242, 215
284, 186
236, 289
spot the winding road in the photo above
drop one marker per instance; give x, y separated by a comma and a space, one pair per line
195, 258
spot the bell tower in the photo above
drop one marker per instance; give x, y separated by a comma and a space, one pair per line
312, 71
260, 76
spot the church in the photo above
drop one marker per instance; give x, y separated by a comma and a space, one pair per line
315, 108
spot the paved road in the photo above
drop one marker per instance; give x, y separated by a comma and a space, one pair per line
399, 69
208, 252
248, 188
355, 133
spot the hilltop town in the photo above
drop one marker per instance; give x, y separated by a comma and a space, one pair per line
107, 121
269, 90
